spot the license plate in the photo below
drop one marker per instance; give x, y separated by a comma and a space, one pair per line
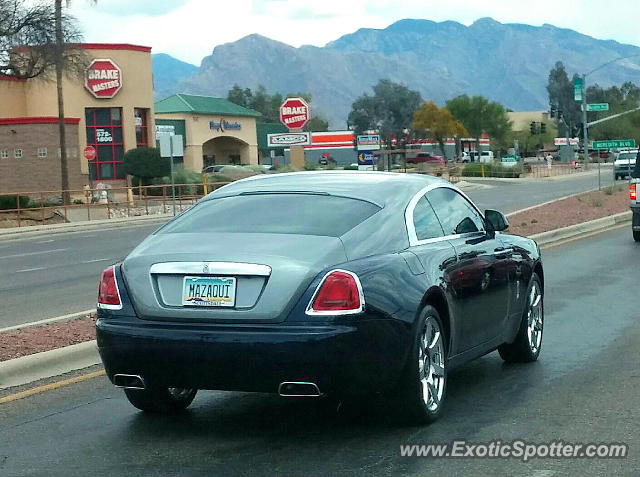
209, 291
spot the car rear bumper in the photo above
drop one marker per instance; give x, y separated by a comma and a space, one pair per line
340, 359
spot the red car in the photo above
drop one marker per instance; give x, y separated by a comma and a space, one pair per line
425, 157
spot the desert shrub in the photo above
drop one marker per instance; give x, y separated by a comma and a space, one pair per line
8, 202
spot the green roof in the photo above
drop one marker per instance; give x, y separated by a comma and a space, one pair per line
189, 103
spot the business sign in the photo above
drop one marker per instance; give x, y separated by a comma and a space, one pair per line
104, 136
165, 130
365, 158
598, 107
103, 79
224, 125
562, 141
615, 144
369, 142
289, 139
294, 113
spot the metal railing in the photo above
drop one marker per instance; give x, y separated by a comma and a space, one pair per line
21, 209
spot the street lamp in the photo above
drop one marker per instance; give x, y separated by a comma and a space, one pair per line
585, 124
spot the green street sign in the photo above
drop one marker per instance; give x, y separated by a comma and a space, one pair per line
614, 144
598, 107
578, 86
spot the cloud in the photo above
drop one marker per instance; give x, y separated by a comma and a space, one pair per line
189, 29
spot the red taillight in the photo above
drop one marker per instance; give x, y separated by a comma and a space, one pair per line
108, 293
633, 193
339, 293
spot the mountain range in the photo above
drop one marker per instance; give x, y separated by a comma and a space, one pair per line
508, 63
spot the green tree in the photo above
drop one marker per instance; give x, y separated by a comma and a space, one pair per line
561, 95
437, 123
317, 124
145, 163
620, 98
389, 110
479, 116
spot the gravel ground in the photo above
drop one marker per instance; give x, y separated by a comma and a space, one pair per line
571, 211
44, 338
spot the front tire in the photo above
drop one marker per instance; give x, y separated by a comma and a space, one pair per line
423, 386
526, 347
636, 235
161, 400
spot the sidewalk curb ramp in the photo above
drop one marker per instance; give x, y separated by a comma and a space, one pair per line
27, 369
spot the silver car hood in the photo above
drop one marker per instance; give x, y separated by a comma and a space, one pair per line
294, 261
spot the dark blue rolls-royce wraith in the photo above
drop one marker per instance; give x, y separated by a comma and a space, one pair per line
320, 283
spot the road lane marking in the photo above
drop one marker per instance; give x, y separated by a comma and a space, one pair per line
30, 269
51, 386
45, 241
97, 260
27, 254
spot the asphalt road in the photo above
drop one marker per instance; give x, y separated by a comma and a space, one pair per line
583, 389
56, 274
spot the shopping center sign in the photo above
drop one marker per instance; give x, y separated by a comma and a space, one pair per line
103, 79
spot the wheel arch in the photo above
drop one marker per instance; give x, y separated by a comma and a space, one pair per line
538, 270
435, 297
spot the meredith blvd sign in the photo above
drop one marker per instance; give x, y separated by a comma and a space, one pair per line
614, 144
598, 107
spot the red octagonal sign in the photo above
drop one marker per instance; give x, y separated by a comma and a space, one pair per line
103, 79
294, 113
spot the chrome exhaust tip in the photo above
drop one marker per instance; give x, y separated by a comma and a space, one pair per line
298, 389
128, 381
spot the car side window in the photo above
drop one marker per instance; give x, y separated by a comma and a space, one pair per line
425, 221
455, 213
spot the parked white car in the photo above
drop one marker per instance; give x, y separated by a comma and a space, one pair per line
485, 156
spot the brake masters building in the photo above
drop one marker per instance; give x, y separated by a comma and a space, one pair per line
110, 109
215, 130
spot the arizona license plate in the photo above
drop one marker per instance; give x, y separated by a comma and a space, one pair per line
209, 291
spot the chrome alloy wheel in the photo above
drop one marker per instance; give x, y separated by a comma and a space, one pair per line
431, 364
535, 318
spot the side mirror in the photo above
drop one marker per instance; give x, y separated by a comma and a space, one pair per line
496, 221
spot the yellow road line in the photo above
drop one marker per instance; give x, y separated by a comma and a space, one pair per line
51, 386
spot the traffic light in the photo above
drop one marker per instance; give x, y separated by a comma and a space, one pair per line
553, 111
533, 128
543, 128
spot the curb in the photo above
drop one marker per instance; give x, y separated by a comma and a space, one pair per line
579, 230
27, 369
48, 321
84, 225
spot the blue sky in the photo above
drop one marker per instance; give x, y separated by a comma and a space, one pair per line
190, 29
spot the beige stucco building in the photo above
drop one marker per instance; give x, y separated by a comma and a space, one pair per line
110, 109
215, 130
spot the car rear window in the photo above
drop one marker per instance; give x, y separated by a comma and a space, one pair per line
627, 155
303, 214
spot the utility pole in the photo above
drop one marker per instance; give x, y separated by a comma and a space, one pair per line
585, 125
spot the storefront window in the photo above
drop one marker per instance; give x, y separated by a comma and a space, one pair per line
104, 132
142, 126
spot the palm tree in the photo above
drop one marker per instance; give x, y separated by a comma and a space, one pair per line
64, 165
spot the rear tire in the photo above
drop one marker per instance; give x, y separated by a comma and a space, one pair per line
526, 347
636, 235
161, 400
422, 388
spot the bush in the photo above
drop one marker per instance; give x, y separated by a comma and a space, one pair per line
285, 169
145, 163
491, 170
310, 166
8, 202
